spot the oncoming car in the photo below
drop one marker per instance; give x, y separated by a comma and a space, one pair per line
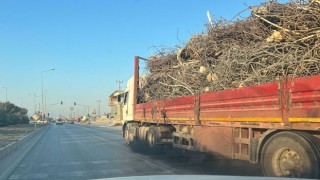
59, 122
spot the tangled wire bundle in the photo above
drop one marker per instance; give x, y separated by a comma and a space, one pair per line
277, 40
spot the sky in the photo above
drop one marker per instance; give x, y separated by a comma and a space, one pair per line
91, 44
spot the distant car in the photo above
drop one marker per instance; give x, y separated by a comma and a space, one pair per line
71, 122
59, 122
32, 122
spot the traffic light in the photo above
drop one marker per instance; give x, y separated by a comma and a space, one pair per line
61, 102
75, 103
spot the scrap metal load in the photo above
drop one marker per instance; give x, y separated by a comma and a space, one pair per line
277, 40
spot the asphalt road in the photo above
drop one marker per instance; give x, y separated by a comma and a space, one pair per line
81, 152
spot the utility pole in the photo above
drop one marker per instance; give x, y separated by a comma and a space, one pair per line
119, 84
42, 99
99, 101
45, 102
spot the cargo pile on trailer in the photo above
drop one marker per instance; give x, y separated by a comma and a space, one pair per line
277, 40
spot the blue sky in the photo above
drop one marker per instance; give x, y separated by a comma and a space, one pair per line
90, 43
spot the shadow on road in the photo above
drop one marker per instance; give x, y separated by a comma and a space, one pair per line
197, 163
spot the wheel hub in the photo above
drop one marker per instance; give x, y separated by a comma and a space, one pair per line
288, 163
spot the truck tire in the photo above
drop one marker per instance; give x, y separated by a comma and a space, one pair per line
126, 134
133, 145
153, 139
291, 154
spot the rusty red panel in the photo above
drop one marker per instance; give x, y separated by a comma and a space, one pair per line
311, 83
251, 102
264, 90
304, 99
181, 108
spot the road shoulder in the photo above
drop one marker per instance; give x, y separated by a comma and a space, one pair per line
12, 155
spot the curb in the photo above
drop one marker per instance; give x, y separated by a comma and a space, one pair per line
6, 150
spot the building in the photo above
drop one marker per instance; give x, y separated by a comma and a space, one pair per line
116, 105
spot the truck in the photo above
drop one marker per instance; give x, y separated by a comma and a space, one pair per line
276, 124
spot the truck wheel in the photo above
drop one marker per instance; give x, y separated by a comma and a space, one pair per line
152, 140
291, 154
152, 137
126, 135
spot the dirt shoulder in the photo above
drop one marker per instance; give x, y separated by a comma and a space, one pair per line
12, 133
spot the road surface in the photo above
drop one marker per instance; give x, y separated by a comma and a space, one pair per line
82, 152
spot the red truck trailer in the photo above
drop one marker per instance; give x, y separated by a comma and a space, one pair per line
275, 124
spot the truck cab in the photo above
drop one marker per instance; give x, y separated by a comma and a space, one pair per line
127, 100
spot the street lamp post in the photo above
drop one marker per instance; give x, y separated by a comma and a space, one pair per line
43, 113
6, 92
99, 101
45, 103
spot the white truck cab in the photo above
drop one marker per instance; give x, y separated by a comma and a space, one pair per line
128, 101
